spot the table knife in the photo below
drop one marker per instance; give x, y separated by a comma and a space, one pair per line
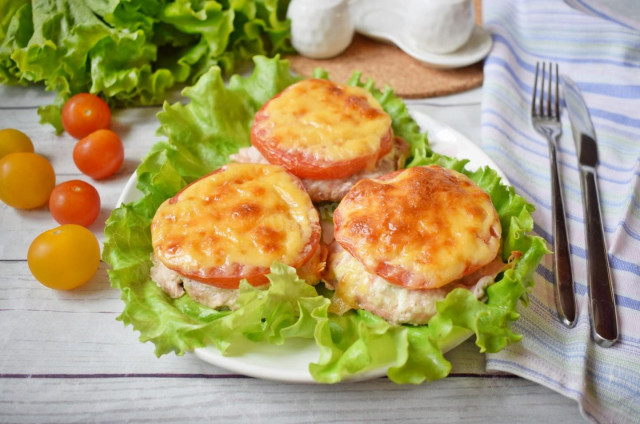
602, 306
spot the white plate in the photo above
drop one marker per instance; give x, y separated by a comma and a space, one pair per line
386, 24
289, 362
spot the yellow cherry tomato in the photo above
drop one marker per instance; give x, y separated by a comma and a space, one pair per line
26, 180
12, 141
65, 257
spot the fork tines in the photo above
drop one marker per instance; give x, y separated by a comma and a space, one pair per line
537, 108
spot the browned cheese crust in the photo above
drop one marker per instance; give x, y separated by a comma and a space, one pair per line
420, 228
319, 129
234, 223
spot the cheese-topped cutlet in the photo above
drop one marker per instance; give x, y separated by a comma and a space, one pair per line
420, 228
234, 223
322, 130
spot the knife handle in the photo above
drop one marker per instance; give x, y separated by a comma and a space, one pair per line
602, 306
563, 274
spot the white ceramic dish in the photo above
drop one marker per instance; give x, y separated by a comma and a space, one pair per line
289, 362
388, 24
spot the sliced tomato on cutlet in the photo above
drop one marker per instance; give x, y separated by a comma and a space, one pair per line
234, 223
420, 228
318, 129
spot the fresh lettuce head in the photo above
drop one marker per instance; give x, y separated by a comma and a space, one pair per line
198, 137
131, 51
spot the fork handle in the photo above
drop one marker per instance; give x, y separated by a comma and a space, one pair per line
602, 306
563, 274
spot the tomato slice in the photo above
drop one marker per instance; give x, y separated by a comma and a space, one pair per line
321, 130
230, 279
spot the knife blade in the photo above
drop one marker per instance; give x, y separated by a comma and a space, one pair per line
602, 306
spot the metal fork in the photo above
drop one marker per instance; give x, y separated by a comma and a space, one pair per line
545, 118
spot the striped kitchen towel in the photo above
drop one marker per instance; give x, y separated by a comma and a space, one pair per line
600, 51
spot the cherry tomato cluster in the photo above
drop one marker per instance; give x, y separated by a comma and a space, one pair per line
67, 256
99, 152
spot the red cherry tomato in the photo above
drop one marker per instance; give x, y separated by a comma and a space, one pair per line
99, 155
75, 202
85, 113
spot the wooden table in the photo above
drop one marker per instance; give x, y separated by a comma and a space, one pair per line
65, 358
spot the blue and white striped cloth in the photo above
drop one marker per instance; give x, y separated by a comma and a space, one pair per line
599, 49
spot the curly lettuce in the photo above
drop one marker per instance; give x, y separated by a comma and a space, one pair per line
131, 52
199, 137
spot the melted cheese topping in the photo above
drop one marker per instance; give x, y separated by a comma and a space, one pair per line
236, 222
324, 120
419, 228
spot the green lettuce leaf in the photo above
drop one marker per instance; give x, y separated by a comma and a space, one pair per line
131, 52
199, 137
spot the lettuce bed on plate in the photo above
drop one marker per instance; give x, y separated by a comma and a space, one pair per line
199, 138
131, 51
